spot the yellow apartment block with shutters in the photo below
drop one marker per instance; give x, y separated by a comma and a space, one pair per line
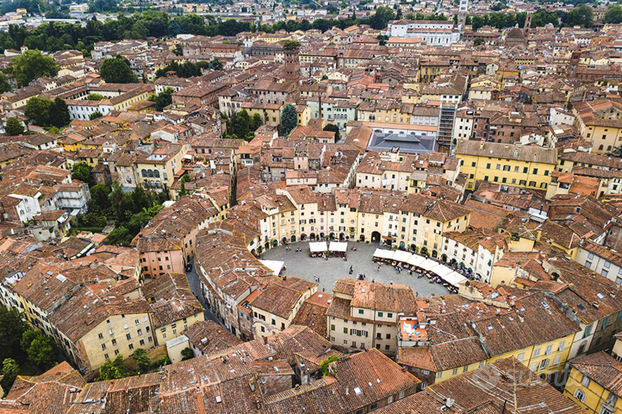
521, 166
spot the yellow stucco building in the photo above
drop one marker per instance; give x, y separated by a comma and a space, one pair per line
521, 166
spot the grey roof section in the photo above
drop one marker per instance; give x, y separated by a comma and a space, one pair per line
408, 143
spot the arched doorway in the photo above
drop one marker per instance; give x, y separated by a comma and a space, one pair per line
375, 237
331, 236
253, 252
303, 237
444, 258
342, 236
434, 253
402, 246
267, 246
322, 235
362, 238
284, 240
312, 236
275, 243
293, 239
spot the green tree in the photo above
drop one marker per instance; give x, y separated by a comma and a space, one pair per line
95, 97
13, 127
334, 128
95, 115
478, 41
39, 347
580, 16
256, 122
289, 118
164, 99
215, 64
187, 353
10, 369
100, 197
58, 115
326, 363
31, 65
142, 218
242, 124
614, 14
477, 22
112, 369
120, 236
173, 28
12, 327
182, 184
382, 39
5, 86
381, 18
163, 360
291, 45
83, 172
117, 70
142, 360
38, 109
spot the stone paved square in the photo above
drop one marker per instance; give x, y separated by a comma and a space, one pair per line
300, 264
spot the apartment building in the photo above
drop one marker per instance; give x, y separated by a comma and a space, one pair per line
158, 169
522, 166
167, 244
277, 304
364, 314
453, 335
600, 122
592, 383
601, 260
474, 251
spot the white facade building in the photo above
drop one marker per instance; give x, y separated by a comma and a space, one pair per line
429, 31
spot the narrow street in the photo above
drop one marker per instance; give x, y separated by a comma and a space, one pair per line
195, 287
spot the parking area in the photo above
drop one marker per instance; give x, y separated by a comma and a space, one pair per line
300, 264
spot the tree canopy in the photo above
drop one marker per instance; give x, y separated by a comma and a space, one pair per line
12, 327
289, 119
580, 16
48, 113
381, 18
40, 348
243, 126
83, 172
112, 369
117, 70
32, 65
164, 99
13, 127
614, 14
142, 360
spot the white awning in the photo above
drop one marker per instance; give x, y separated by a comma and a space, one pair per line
454, 278
441, 270
415, 260
318, 247
428, 264
338, 246
274, 265
401, 256
383, 254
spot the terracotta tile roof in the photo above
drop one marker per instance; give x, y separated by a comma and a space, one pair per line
209, 337
471, 393
601, 368
312, 313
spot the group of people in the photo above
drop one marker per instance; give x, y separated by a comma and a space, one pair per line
289, 249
